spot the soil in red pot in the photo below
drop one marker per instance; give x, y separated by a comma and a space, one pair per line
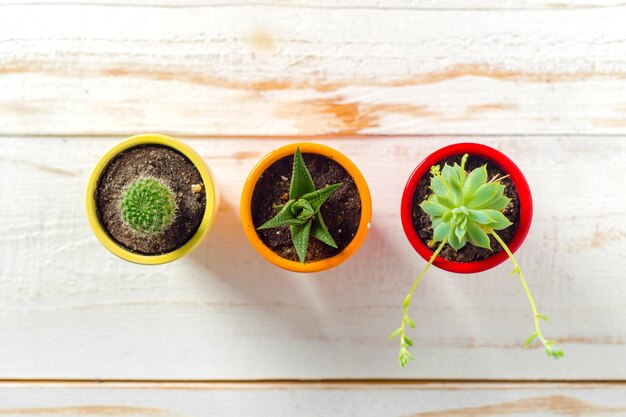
341, 212
468, 253
171, 168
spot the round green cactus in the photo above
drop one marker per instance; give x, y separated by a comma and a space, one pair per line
148, 206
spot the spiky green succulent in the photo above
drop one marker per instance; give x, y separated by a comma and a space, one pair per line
467, 208
302, 212
148, 206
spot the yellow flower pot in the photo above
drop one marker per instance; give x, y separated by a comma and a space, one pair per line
212, 200
246, 202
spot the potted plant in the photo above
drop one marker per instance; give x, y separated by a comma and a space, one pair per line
151, 199
466, 208
305, 207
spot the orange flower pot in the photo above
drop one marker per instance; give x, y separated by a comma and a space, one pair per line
246, 203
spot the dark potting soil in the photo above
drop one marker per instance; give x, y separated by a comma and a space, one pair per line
341, 212
171, 168
468, 253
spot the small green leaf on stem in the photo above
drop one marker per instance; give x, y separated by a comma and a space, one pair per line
555, 352
407, 301
395, 333
542, 317
530, 339
404, 356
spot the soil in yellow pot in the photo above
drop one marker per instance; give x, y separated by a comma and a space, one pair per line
151, 199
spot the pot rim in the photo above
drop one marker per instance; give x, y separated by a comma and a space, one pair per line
246, 212
518, 179
208, 218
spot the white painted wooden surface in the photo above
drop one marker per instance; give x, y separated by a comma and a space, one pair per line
69, 309
198, 67
283, 400
384, 82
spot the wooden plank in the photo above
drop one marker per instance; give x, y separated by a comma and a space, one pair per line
323, 68
380, 400
69, 309
478, 5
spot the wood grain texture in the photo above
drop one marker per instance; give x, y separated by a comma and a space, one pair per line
312, 68
69, 309
469, 5
241, 400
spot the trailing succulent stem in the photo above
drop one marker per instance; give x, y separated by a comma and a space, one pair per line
302, 212
405, 341
549, 345
148, 206
465, 207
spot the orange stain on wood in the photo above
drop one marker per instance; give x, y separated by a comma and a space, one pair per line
245, 155
90, 410
18, 108
327, 115
555, 404
404, 109
609, 122
475, 343
332, 115
500, 74
604, 340
348, 116
566, 6
598, 240
261, 40
451, 73
344, 117
490, 107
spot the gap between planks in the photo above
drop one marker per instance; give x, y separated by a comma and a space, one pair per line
317, 384
313, 137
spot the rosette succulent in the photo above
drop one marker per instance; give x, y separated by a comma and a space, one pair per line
147, 206
466, 208
302, 212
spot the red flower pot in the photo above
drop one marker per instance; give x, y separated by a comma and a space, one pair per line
498, 158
